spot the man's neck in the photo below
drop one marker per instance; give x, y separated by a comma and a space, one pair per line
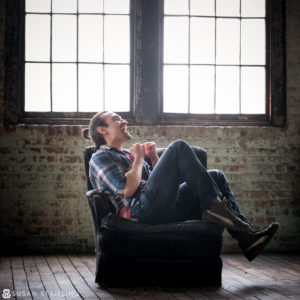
115, 144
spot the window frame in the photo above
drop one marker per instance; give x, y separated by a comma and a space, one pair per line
146, 18
275, 104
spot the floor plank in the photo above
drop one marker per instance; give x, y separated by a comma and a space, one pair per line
21, 286
86, 291
72, 277
6, 276
63, 280
37, 288
49, 281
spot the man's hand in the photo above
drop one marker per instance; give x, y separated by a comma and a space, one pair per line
150, 151
137, 150
133, 176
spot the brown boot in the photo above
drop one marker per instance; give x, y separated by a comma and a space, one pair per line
222, 213
253, 243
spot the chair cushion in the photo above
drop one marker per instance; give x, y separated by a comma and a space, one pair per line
188, 239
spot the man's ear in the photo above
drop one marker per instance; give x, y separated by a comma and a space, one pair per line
102, 130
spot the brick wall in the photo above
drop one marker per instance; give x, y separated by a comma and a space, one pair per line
42, 183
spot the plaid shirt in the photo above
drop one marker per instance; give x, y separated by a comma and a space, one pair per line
108, 166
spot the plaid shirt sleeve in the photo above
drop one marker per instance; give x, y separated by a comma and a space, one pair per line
106, 173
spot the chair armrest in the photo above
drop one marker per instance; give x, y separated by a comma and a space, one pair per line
100, 206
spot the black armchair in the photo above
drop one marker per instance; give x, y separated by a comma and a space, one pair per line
129, 253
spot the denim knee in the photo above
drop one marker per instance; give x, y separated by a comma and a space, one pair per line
218, 176
179, 143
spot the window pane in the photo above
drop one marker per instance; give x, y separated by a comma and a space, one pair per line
175, 89
203, 40
253, 42
202, 80
227, 90
176, 40
116, 6
203, 7
253, 8
228, 41
37, 40
90, 41
90, 87
253, 90
38, 5
90, 6
37, 87
64, 38
176, 7
116, 39
117, 88
64, 91
229, 8
64, 6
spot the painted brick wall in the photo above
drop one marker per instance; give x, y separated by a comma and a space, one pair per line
42, 182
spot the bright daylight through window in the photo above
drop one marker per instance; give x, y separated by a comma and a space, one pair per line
77, 55
156, 62
214, 56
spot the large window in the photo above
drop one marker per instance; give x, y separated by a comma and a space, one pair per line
156, 62
77, 55
215, 56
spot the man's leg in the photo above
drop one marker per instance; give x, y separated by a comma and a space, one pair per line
253, 243
177, 162
159, 196
187, 203
187, 206
224, 186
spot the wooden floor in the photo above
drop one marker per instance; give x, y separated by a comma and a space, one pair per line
72, 277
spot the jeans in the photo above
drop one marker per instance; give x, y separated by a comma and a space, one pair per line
185, 210
180, 188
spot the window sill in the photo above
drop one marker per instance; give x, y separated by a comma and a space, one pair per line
83, 119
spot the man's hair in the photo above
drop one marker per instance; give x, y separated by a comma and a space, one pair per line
92, 133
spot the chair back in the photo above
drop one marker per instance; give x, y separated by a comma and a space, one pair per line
87, 154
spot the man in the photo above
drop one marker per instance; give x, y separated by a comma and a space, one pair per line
157, 196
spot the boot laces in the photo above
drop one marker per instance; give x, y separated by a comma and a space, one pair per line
228, 205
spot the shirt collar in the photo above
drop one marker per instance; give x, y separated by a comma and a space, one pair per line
106, 147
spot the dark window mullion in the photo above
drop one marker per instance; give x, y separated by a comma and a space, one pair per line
103, 63
77, 65
268, 58
89, 63
189, 60
219, 65
51, 74
218, 17
215, 66
240, 62
103, 85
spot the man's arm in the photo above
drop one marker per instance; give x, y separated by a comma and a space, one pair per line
133, 176
150, 151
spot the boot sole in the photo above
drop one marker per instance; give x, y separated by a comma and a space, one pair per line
218, 219
254, 252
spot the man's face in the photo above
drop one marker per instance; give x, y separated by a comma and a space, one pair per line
117, 127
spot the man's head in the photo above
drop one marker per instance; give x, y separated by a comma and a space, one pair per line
108, 128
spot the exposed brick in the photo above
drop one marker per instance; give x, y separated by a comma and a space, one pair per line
68, 221
66, 196
71, 159
56, 150
51, 159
